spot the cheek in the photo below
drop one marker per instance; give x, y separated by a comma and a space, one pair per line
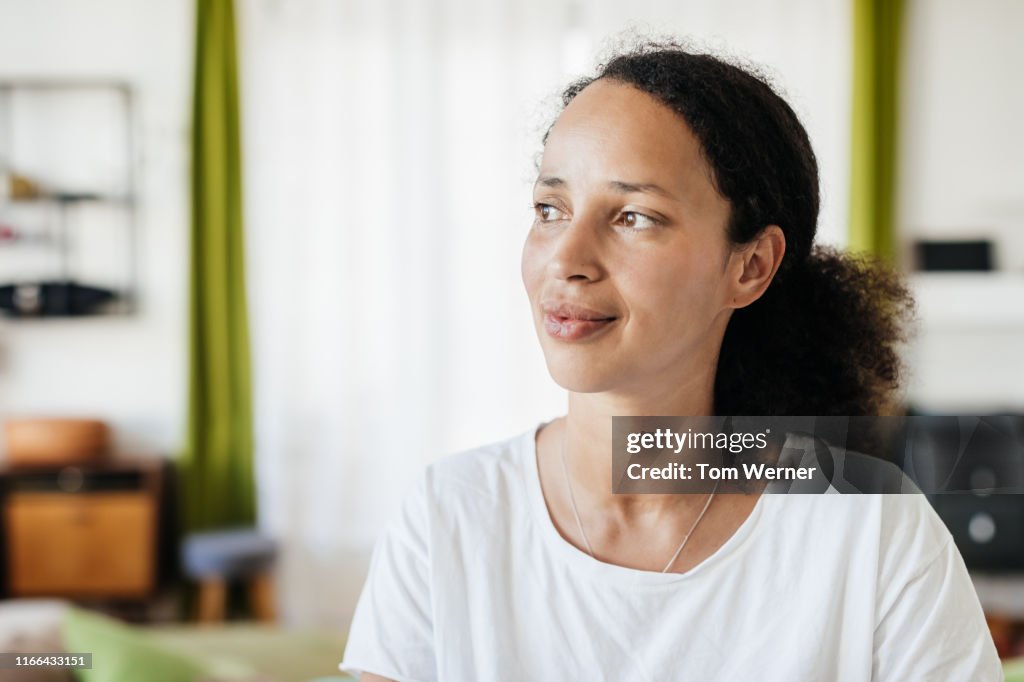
674, 294
532, 265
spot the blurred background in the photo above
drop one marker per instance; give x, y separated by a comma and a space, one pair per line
259, 264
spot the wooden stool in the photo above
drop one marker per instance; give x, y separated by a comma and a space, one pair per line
215, 558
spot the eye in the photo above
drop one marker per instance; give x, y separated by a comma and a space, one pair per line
637, 221
547, 213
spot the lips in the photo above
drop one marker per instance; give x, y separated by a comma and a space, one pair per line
573, 322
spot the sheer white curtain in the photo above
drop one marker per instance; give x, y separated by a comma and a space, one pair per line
389, 152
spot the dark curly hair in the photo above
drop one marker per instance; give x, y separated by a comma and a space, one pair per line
824, 338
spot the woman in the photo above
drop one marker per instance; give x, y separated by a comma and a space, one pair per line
670, 270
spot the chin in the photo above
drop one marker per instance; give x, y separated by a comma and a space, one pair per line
580, 374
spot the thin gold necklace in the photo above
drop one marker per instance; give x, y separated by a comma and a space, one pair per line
579, 523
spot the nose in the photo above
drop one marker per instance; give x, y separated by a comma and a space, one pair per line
576, 254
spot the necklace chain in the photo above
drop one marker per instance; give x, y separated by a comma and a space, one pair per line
579, 522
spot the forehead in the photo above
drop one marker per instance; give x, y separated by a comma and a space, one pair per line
613, 129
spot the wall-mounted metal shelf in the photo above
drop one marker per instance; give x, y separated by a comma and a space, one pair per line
68, 209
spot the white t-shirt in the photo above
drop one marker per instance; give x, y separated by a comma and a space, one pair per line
473, 582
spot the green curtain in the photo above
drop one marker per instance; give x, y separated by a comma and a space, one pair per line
876, 65
217, 472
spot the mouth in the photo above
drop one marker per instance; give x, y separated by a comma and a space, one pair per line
571, 322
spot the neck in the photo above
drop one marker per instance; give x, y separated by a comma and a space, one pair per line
587, 434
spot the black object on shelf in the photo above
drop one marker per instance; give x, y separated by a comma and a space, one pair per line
53, 299
73, 197
960, 255
988, 528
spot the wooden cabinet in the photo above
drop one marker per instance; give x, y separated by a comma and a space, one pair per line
82, 532
98, 543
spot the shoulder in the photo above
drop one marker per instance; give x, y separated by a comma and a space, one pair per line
909, 529
488, 474
912, 537
484, 467
487, 460
469, 491
876, 502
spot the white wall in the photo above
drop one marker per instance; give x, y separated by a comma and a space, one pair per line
962, 142
130, 371
962, 176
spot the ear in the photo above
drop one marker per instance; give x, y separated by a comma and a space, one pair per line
755, 266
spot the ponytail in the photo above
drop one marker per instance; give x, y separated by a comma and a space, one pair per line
824, 339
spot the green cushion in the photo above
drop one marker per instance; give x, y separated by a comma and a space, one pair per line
121, 652
280, 654
1013, 668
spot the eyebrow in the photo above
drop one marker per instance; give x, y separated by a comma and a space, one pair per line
550, 181
617, 185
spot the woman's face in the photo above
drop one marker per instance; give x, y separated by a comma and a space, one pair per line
627, 265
